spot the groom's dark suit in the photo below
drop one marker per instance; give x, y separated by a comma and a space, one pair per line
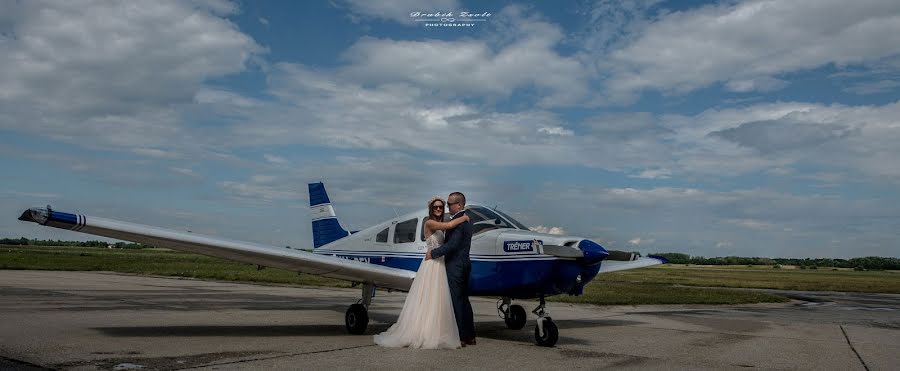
455, 251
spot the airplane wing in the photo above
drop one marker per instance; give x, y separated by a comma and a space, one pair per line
247, 252
618, 265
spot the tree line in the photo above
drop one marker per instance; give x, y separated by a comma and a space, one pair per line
868, 262
35, 242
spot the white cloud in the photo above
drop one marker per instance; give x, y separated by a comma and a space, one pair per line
843, 139
155, 153
653, 174
38, 195
323, 109
104, 74
761, 222
548, 230
185, 171
480, 68
761, 84
261, 192
637, 241
873, 87
748, 44
275, 159
750, 223
556, 130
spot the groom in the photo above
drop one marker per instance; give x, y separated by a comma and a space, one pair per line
456, 251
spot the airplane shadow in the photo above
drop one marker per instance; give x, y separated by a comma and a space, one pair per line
499, 331
491, 330
237, 331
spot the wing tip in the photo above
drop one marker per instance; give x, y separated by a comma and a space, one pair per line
35, 215
660, 258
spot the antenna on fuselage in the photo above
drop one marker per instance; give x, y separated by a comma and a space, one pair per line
395, 212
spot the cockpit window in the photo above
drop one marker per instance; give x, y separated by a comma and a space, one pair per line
484, 219
511, 220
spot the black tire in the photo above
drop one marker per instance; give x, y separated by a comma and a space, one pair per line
516, 317
551, 334
356, 319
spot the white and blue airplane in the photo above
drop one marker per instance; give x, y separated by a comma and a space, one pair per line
509, 261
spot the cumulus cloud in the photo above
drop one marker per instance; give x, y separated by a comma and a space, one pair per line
873, 87
637, 241
320, 108
156, 153
755, 221
653, 174
185, 171
275, 159
481, 68
104, 73
548, 230
747, 45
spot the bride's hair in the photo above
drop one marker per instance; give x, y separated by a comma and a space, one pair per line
431, 202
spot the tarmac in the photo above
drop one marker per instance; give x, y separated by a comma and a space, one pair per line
111, 321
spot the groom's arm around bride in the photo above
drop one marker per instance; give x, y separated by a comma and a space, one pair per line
450, 245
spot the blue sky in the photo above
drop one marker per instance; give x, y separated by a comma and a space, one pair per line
753, 128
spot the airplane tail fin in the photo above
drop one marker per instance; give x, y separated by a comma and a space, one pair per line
325, 226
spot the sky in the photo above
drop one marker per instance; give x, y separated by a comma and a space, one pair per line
750, 128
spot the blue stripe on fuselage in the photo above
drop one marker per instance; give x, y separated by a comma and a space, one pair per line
519, 279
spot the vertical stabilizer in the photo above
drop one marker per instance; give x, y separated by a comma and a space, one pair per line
325, 225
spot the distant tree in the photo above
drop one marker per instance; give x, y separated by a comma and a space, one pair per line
675, 258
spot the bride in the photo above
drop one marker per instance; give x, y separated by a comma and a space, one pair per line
427, 320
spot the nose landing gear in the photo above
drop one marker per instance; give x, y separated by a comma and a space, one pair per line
545, 332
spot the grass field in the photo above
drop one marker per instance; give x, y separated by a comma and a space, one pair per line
668, 284
161, 262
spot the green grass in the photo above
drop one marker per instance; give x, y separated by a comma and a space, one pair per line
763, 277
161, 262
668, 284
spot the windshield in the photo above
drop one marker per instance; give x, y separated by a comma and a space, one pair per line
511, 220
484, 219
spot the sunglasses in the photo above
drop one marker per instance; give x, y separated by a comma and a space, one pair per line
437, 207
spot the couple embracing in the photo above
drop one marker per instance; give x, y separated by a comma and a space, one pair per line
437, 312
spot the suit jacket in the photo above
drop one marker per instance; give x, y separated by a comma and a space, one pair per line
455, 248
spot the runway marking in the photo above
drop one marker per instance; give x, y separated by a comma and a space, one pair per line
854, 349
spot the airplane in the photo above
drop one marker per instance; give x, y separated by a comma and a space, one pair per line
509, 261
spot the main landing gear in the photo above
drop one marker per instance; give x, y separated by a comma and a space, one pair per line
513, 315
357, 317
546, 333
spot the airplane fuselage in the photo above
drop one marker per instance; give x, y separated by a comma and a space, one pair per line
506, 261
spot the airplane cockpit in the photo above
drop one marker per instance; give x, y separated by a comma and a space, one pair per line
484, 219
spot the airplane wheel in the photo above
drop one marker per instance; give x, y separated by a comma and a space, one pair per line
356, 319
516, 318
551, 334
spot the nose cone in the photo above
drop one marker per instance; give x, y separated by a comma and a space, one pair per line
593, 252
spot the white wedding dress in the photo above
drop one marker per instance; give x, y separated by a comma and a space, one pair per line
426, 320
